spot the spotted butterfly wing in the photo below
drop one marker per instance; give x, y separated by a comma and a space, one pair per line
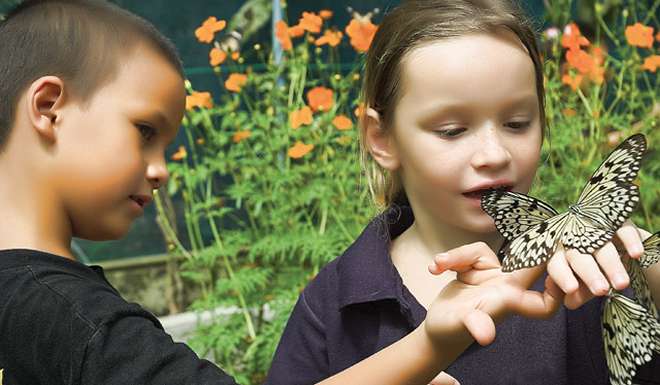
631, 336
534, 228
651, 250
637, 279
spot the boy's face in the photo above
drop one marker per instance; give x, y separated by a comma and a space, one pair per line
111, 149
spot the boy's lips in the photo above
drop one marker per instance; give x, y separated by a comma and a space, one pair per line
141, 199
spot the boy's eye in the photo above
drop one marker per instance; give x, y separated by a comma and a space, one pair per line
450, 132
518, 125
146, 131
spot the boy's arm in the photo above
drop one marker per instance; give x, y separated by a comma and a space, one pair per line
465, 311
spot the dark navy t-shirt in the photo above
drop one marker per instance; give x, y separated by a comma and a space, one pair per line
61, 323
357, 305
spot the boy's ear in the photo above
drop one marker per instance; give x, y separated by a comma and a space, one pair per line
44, 97
379, 142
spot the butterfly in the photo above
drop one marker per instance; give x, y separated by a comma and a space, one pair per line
534, 229
631, 330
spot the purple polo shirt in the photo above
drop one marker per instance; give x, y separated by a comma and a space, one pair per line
358, 305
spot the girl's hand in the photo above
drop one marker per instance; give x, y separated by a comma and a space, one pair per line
583, 277
482, 294
444, 379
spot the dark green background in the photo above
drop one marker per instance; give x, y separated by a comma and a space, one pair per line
178, 20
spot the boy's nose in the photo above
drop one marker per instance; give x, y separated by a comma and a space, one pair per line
490, 152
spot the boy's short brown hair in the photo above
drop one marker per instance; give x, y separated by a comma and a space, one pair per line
80, 41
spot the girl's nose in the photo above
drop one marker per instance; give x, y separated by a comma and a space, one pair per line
491, 151
157, 173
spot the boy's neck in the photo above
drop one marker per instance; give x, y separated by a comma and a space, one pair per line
31, 218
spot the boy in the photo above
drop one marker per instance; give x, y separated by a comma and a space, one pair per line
90, 96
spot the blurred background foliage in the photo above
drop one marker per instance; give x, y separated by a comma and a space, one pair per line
266, 186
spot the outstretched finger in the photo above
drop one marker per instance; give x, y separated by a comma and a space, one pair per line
629, 235
461, 259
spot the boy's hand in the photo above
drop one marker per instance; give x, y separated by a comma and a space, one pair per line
583, 277
482, 295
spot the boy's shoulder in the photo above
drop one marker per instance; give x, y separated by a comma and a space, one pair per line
35, 284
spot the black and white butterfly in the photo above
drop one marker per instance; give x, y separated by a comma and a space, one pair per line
534, 229
631, 330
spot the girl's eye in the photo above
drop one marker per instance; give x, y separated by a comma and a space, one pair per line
146, 131
450, 132
518, 125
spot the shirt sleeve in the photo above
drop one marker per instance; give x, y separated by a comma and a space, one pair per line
132, 350
301, 357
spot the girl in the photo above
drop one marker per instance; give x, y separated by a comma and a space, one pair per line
455, 106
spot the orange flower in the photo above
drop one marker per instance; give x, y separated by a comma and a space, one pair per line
651, 63
361, 34
206, 32
568, 112
180, 154
580, 60
311, 22
199, 99
235, 55
359, 110
332, 38
240, 135
639, 35
299, 150
296, 31
300, 117
574, 82
235, 81
342, 122
320, 98
325, 14
282, 35
572, 38
217, 56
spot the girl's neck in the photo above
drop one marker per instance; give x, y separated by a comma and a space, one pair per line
427, 237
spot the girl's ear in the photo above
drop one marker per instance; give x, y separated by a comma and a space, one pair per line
379, 142
44, 98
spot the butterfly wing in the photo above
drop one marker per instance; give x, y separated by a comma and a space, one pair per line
621, 165
597, 217
651, 250
515, 213
535, 246
631, 336
607, 199
640, 286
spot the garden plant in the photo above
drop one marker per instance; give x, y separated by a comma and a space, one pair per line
269, 178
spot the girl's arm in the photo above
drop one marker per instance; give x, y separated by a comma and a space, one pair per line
465, 311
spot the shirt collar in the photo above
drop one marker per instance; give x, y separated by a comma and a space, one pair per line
365, 271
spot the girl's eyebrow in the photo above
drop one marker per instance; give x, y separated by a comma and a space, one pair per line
441, 107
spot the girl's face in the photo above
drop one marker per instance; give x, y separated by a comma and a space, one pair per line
467, 120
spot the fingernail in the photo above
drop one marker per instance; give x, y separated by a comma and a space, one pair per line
441, 256
620, 280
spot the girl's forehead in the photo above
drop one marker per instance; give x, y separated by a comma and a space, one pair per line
470, 67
